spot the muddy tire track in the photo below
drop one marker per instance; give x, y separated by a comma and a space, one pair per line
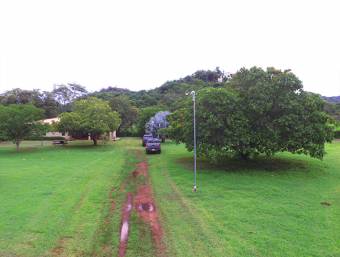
144, 205
59, 249
124, 228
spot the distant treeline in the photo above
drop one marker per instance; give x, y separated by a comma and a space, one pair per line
332, 99
134, 107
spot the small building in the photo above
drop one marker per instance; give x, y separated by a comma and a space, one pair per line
51, 121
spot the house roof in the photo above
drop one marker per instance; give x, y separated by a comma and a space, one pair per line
50, 120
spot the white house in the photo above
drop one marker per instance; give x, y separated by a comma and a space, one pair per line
112, 134
51, 121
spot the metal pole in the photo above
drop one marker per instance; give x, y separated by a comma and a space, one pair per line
194, 107
193, 94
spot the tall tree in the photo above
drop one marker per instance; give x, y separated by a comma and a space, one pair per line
90, 116
49, 105
259, 112
65, 94
17, 122
157, 124
144, 116
127, 111
210, 76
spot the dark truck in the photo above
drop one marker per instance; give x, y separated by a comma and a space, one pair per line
146, 137
153, 146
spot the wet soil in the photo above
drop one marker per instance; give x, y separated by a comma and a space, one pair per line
124, 231
144, 205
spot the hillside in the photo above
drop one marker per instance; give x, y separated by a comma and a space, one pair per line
332, 99
171, 93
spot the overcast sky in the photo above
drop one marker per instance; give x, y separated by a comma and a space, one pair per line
141, 44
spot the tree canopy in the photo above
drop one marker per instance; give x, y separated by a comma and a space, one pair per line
91, 116
157, 124
258, 112
66, 94
18, 122
144, 116
265, 99
44, 100
127, 111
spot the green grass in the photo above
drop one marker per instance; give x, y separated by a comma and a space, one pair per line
262, 208
57, 199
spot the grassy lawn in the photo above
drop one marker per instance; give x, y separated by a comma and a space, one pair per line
67, 201
56, 200
264, 208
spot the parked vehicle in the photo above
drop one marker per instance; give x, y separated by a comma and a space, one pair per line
153, 146
146, 137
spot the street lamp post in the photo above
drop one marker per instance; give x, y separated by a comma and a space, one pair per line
193, 94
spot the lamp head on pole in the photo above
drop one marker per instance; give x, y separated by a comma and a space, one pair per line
192, 93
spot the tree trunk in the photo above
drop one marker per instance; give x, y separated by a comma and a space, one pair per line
245, 156
94, 139
17, 143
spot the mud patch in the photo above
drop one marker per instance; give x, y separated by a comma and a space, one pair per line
124, 231
148, 207
59, 249
141, 170
144, 205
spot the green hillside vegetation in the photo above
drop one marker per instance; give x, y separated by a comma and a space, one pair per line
333, 110
169, 96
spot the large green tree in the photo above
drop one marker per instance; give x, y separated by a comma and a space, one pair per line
258, 112
127, 111
18, 121
144, 116
49, 104
89, 116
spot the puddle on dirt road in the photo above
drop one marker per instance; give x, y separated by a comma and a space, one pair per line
143, 203
124, 231
148, 207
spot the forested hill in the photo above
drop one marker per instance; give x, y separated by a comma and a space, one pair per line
332, 99
171, 93
332, 106
169, 96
